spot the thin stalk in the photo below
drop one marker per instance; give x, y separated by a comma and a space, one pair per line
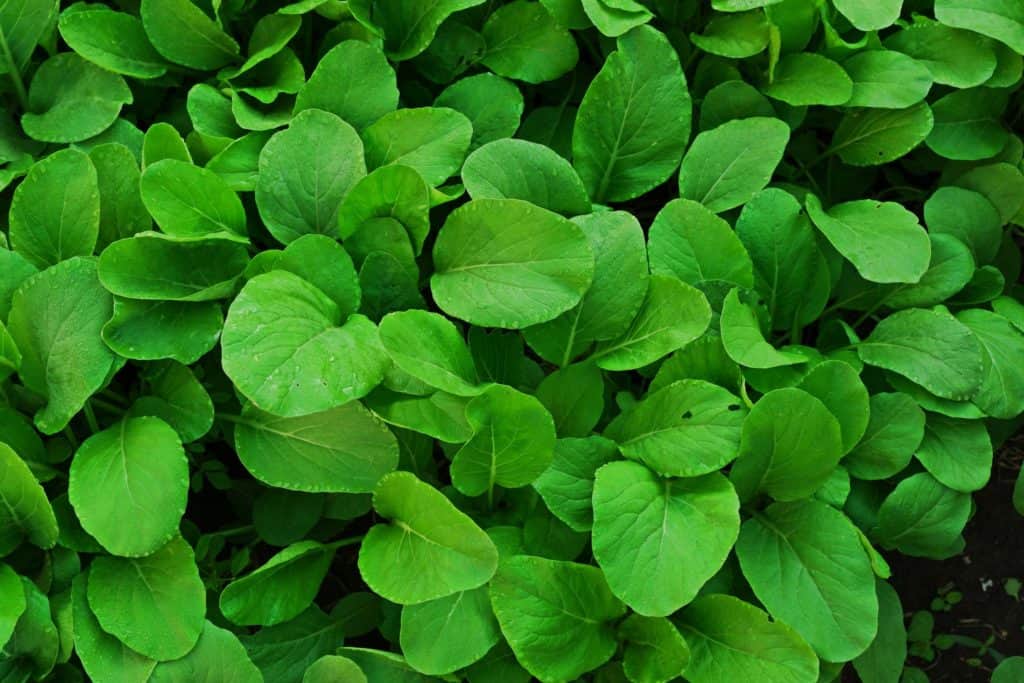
14, 72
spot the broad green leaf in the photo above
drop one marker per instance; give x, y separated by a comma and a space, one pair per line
281, 332
999, 19
439, 415
14, 270
55, 320
280, 589
323, 263
685, 429
733, 99
115, 41
26, 512
883, 660
871, 137
238, 163
791, 274
447, 634
513, 442
283, 652
506, 263
429, 551
958, 453
334, 669
568, 484
176, 396
870, 15
1002, 185
967, 124
154, 605
393, 191
735, 36
71, 100
218, 655
634, 120
151, 267
655, 650
659, 540
557, 616
733, 640
705, 359
883, 240
55, 211
886, 79
690, 242
741, 5
1008, 670
525, 44
615, 17
967, 216
13, 603
574, 395
344, 449
744, 341
430, 348
931, 349
492, 104
352, 81
182, 33
104, 657
1001, 394
517, 169
811, 550
673, 315
789, 446
153, 330
893, 433
407, 27
954, 57
22, 25
379, 665
949, 271
122, 213
431, 140
35, 645
163, 141
190, 202
299, 193
613, 299
725, 167
806, 78
921, 517
129, 485
838, 385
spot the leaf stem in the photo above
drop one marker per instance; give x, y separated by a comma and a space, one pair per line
107, 406
744, 395
70, 434
90, 417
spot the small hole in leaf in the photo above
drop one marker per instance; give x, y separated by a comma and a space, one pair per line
733, 408
688, 414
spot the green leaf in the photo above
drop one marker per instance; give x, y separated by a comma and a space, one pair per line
177, 397
218, 655
153, 330
517, 169
506, 263
968, 124
492, 104
35, 644
967, 216
431, 140
154, 605
122, 213
334, 669
954, 57
352, 81
1002, 185
893, 433
690, 242
280, 331
882, 240
104, 657
659, 540
1001, 394
525, 44
574, 396
634, 120
615, 17
958, 453
183, 34
735, 36
732, 640
429, 551
439, 415
838, 385
655, 651
744, 341
163, 141
281, 588
324, 263
444, 635
26, 512
812, 550
55, 320
949, 271
567, 485
513, 442
115, 41
673, 315
929, 348
999, 19
189, 202
298, 193
871, 137
129, 486
383, 666
1008, 670
13, 604
393, 191
805, 78
430, 348
789, 446
870, 15
55, 211
407, 27
557, 616
344, 449
727, 166
22, 25
284, 651
883, 660
921, 517
685, 429
886, 79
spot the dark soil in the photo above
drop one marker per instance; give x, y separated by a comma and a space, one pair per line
994, 554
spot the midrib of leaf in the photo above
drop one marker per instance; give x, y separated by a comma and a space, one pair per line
13, 71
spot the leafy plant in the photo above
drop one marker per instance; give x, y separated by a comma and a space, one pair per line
469, 340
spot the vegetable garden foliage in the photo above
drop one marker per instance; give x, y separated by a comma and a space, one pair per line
473, 340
